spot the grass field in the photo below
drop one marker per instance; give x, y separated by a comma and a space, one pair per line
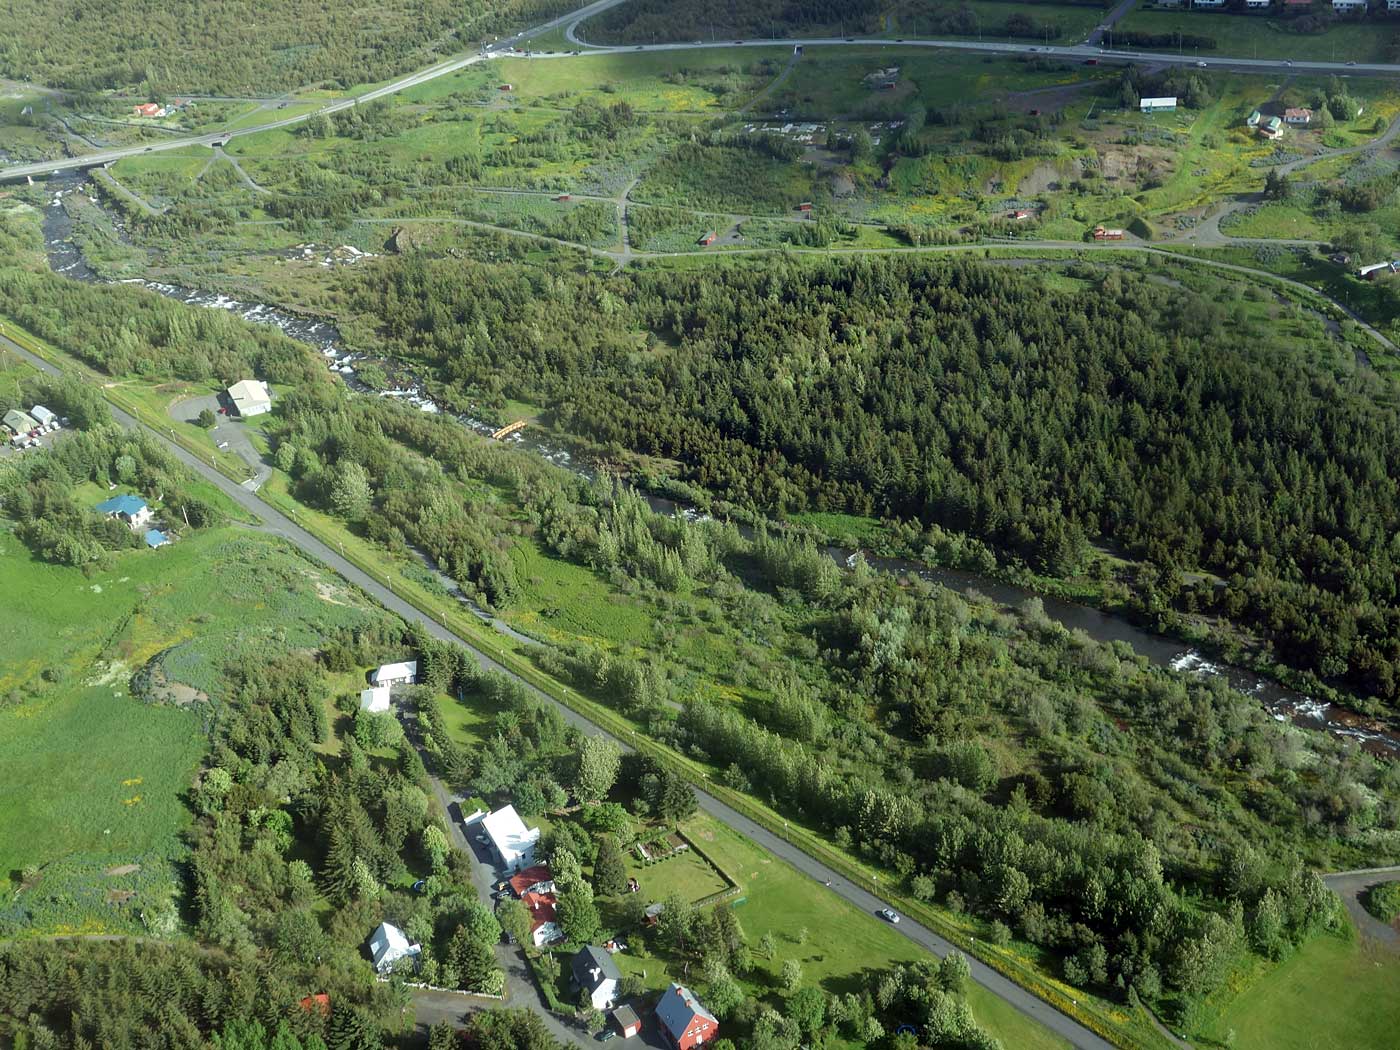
1247, 36
64, 692
1336, 993
780, 900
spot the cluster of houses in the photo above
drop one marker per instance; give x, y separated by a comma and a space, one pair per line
155, 110
680, 1016
26, 427
135, 513
1273, 127
1340, 7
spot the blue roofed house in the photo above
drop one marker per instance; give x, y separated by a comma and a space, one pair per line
684, 1019
130, 509
155, 538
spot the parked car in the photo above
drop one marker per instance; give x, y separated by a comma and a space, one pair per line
606, 1034
888, 914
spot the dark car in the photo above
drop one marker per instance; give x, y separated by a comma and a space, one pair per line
606, 1034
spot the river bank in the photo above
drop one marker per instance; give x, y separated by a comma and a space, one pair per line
1283, 703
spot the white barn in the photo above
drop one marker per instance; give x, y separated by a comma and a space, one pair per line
403, 673
250, 397
513, 842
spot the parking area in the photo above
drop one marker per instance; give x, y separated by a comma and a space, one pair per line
229, 433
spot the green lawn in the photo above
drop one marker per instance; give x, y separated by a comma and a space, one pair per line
840, 939
1248, 36
65, 671
686, 873
1334, 994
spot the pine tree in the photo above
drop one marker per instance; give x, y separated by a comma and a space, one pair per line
338, 872
609, 870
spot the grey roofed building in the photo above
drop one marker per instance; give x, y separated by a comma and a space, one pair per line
595, 972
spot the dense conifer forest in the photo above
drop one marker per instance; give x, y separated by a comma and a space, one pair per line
240, 47
1121, 411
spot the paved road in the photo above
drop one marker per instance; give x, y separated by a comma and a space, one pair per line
280, 525
571, 21
1349, 885
1095, 37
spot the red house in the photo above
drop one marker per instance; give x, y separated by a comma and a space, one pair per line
683, 1020
805, 206
709, 239
1102, 234
147, 109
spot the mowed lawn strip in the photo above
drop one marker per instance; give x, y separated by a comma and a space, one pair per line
1334, 993
841, 941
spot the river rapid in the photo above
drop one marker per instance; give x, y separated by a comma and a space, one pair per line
1285, 705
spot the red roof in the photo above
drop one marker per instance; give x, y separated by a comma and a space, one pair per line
529, 877
320, 1002
541, 907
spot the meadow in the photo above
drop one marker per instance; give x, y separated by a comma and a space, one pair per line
1348, 991
82, 835
1249, 36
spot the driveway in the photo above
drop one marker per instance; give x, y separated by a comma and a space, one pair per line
230, 434
1350, 886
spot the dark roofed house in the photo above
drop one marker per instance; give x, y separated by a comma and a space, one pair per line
595, 972
684, 1019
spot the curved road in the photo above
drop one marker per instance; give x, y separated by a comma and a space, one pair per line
571, 21
1349, 885
278, 524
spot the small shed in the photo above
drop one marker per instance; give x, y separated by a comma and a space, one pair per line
155, 538
507, 87
626, 1021
1164, 104
805, 206
1103, 233
708, 239
45, 417
375, 699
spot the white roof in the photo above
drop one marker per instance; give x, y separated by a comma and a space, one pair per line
508, 832
388, 944
42, 414
250, 391
1155, 103
374, 699
389, 672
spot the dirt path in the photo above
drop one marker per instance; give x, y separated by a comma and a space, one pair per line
105, 176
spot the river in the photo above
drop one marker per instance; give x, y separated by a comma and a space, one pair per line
1286, 705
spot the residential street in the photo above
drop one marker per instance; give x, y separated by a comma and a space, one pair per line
279, 524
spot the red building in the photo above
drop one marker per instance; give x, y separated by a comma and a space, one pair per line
709, 239
684, 1020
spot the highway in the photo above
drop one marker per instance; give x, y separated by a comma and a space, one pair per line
570, 22
824, 879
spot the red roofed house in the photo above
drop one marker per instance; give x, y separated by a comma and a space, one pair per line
685, 1022
544, 924
319, 1003
536, 878
1103, 234
709, 238
147, 109
1297, 116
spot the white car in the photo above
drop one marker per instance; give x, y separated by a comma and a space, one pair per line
888, 914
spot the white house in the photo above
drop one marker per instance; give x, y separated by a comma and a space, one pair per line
250, 397
374, 699
595, 972
387, 945
1158, 105
513, 842
1257, 5
1206, 5
1297, 115
1347, 7
403, 673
